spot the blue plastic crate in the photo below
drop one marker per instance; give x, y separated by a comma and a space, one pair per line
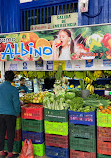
55, 152
36, 138
84, 118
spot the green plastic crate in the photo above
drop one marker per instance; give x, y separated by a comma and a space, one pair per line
103, 120
56, 115
59, 128
17, 146
33, 125
103, 156
82, 131
88, 145
18, 123
39, 149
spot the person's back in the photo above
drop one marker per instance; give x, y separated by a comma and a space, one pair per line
9, 103
9, 110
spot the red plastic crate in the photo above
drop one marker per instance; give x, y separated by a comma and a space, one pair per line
81, 154
18, 135
104, 133
32, 111
56, 140
103, 147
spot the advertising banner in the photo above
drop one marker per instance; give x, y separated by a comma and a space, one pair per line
79, 43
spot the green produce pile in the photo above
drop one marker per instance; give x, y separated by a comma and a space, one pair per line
72, 99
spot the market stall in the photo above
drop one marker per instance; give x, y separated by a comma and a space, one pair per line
64, 120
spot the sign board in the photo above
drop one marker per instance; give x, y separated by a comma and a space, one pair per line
49, 65
41, 27
64, 20
78, 43
107, 62
39, 64
24, 1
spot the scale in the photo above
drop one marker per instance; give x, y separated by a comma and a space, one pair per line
107, 91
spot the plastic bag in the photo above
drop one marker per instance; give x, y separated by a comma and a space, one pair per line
27, 150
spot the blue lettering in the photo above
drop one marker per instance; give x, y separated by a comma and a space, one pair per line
38, 52
8, 51
23, 50
47, 48
31, 48
15, 45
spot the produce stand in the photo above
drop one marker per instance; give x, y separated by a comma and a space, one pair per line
55, 127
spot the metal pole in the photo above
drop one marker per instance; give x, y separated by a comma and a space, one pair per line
3, 71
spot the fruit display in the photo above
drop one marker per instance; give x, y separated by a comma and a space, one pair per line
90, 88
34, 98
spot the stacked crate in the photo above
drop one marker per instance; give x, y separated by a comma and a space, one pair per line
103, 135
56, 133
33, 127
82, 134
18, 137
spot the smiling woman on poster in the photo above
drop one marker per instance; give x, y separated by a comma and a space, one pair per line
63, 46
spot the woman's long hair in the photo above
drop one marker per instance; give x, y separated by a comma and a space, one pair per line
71, 44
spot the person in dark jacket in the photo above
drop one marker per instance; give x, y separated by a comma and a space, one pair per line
9, 110
23, 88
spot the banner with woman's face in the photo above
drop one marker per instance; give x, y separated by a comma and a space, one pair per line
79, 43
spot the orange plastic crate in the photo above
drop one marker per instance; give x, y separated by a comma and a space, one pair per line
103, 147
81, 154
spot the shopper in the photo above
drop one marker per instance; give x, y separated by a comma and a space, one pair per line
22, 87
9, 110
65, 48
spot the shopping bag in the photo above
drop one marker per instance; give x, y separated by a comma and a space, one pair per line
30, 152
27, 150
24, 149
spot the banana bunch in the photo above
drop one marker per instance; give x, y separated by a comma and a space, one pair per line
90, 87
88, 80
90, 74
98, 73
